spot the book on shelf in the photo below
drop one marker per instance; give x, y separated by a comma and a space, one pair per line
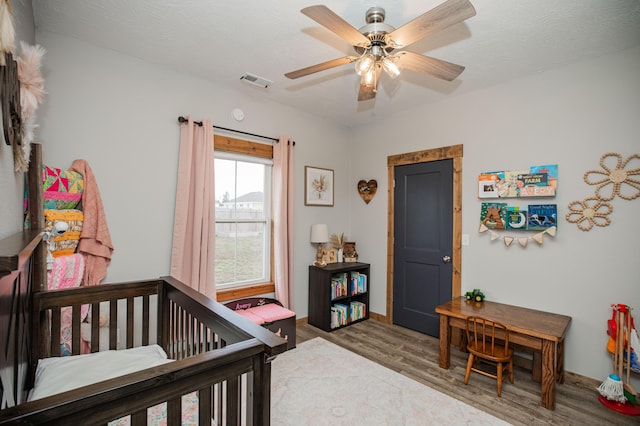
541, 181
358, 283
339, 285
511, 188
516, 218
339, 315
542, 216
552, 177
493, 215
357, 310
489, 183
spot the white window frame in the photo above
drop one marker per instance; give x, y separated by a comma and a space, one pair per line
267, 220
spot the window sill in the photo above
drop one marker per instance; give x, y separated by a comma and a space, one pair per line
242, 292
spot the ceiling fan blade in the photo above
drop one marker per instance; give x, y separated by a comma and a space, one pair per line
320, 67
368, 91
425, 64
440, 17
328, 19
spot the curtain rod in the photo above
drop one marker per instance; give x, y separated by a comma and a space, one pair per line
181, 119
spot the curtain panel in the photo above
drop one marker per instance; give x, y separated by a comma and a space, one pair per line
193, 249
283, 220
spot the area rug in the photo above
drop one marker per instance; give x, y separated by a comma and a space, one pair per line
320, 383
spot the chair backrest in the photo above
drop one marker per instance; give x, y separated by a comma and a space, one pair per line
487, 336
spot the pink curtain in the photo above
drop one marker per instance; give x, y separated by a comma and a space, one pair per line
283, 220
192, 253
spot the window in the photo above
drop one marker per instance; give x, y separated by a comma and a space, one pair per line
243, 220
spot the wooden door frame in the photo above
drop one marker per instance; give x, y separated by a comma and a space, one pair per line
454, 152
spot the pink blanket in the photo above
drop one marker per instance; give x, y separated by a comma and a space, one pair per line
67, 272
95, 240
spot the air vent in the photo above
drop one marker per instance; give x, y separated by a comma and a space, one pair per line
255, 80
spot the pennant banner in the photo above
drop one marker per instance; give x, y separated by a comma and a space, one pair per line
523, 241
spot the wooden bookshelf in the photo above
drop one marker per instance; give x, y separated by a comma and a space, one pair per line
330, 308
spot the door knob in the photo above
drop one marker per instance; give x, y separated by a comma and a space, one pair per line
446, 259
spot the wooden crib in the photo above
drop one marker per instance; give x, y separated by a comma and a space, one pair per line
220, 357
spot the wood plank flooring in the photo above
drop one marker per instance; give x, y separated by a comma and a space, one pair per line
416, 356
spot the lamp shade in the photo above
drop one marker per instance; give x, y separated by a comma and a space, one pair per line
319, 233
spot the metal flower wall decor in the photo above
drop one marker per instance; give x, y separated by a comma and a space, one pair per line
613, 180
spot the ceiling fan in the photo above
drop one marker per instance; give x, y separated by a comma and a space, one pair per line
376, 42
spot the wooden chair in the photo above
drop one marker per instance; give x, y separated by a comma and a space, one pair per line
488, 341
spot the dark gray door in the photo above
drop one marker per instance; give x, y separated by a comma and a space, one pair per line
423, 243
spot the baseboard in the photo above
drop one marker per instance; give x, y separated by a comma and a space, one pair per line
379, 317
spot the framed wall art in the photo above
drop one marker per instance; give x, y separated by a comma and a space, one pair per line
318, 186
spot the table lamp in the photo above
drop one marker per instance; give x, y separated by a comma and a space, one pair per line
319, 235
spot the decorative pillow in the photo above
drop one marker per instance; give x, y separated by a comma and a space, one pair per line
62, 188
66, 243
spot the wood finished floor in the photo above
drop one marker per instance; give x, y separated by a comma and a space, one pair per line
415, 355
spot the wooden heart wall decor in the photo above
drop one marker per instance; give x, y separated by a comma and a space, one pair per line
367, 189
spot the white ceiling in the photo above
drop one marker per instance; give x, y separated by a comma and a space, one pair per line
221, 40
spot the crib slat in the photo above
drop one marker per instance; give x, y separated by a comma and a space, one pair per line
171, 327
180, 340
233, 405
145, 320
129, 322
55, 332
95, 327
113, 324
174, 411
204, 407
191, 339
139, 418
75, 329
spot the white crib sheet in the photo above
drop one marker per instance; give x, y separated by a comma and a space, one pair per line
60, 374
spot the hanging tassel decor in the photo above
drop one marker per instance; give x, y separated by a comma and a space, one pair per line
7, 31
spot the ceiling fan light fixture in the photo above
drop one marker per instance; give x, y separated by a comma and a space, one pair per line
390, 66
369, 78
365, 64
375, 42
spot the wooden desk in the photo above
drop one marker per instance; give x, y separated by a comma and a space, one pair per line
543, 332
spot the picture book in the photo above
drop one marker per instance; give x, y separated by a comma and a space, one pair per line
339, 315
542, 216
488, 184
357, 310
535, 185
533, 179
516, 218
511, 189
552, 174
494, 215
